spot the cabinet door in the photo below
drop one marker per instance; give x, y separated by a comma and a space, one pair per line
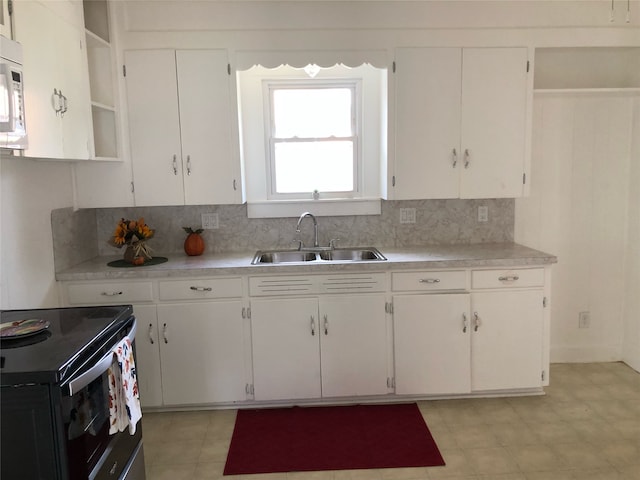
54, 58
353, 339
202, 352
506, 348
148, 356
427, 123
286, 349
37, 29
154, 127
76, 121
431, 344
494, 109
211, 171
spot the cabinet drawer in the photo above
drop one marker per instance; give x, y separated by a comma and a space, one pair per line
285, 285
519, 277
353, 283
429, 281
117, 292
200, 288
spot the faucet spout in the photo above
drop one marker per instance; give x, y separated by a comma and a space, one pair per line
315, 226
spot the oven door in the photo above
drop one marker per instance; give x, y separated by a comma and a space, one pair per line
90, 450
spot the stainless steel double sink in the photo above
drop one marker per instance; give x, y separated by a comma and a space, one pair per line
358, 254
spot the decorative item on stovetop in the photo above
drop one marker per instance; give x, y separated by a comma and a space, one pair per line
193, 244
133, 234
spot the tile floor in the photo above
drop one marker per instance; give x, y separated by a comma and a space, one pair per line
586, 427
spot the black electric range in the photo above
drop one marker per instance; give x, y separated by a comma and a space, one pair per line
54, 396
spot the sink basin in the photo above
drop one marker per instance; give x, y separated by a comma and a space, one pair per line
283, 256
352, 254
264, 257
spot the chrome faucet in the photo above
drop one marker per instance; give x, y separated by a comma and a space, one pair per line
315, 228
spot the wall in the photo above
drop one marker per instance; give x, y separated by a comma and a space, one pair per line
578, 210
631, 340
30, 190
438, 222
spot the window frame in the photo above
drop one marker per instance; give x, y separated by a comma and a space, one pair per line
253, 145
353, 84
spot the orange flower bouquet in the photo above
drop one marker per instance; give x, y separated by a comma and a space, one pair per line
133, 235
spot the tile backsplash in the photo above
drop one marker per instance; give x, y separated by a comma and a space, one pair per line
83, 234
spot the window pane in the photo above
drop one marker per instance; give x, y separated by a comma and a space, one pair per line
312, 113
309, 166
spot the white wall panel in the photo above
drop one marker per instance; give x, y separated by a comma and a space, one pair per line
30, 190
631, 340
578, 209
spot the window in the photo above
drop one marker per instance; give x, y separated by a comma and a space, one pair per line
315, 143
313, 140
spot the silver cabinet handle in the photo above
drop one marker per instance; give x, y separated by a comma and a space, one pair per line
467, 158
188, 164
313, 326
476, 321
151, 334
111, 294
509, 278
64, 104
465, 323
235, 187
429, 280
454, 155
56, 101
165, 333
174, 164
326, 325
201, 289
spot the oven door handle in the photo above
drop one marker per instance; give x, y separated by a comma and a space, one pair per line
81, 381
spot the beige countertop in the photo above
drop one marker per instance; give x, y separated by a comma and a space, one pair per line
434, 256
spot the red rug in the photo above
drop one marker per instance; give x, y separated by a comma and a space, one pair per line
303, 439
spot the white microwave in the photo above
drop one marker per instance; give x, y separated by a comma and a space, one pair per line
13, 127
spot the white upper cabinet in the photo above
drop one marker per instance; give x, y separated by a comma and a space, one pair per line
461, 121
4, 19
57, 101
180, 123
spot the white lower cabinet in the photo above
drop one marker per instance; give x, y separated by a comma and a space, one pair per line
507, 339
202, 352
319, 347
203, 341
488, 337
286, 348
432, 343
148, 366
353, 345
190, 354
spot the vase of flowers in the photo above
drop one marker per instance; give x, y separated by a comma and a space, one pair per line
133, 234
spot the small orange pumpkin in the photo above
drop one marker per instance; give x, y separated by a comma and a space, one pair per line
193, 244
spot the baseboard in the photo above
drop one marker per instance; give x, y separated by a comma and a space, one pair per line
631, 356
585, 354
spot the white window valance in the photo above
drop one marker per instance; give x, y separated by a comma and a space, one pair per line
301, 58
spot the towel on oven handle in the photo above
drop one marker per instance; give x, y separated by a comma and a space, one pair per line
124, 398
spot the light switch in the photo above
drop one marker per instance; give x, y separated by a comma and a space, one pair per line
407, 215
209, 221
483, 213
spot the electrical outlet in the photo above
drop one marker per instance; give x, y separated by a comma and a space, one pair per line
407, 215
483, 213
584, 320
209, 221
